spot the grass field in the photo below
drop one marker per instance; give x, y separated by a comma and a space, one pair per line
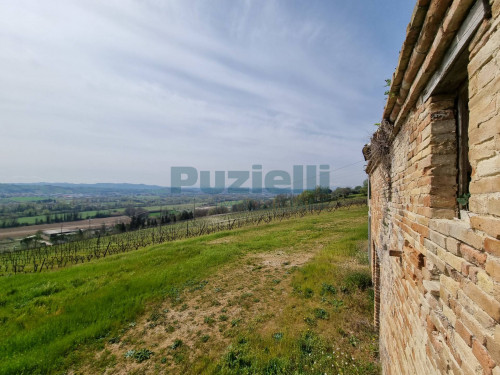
83, 214
22, 199
154, 211
288, 297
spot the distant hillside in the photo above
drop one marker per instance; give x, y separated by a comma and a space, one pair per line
105, 188
45, 188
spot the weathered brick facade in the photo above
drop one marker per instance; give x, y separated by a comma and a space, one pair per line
437, 269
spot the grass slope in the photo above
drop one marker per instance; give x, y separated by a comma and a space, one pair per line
51, 321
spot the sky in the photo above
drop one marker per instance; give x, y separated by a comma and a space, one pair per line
123, 90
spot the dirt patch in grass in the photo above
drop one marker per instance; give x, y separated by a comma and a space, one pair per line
300, 309
220, 240
205, 318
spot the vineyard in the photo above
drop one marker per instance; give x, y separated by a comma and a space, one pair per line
43, 258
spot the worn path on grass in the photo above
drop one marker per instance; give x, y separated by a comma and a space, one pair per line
205, 316
189, 333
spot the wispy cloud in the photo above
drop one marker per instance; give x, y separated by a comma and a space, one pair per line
122, 90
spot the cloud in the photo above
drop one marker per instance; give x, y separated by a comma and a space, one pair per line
123, 90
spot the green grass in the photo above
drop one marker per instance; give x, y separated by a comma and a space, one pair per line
25, 199
45, 317
31, 219
83, 214
325, 327
91, 214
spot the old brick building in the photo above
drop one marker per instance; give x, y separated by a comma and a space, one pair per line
434, 172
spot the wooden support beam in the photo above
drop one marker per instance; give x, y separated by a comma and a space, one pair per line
460, 42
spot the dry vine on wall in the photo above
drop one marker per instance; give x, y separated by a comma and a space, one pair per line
380, 151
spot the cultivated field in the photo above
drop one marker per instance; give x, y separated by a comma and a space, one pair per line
284, 297
19, 232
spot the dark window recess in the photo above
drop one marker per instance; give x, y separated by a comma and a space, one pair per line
455, 84
463, 165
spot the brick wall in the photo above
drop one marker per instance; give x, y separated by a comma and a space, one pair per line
439, 288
